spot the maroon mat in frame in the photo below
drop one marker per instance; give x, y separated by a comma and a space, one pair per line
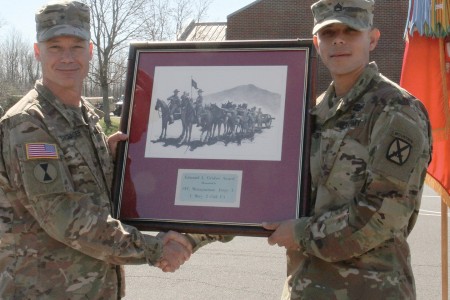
255, 170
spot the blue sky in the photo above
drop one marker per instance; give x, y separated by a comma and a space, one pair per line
19, 14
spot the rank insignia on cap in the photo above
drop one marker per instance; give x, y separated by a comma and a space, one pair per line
399, 151
45, 172
338, 7
41, 150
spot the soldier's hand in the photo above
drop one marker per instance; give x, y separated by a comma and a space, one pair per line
113, 140
283, 234
177, 250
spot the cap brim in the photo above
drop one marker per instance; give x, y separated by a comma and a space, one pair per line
63, 30
342, 20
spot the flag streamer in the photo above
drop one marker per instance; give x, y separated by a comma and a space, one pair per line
430, 18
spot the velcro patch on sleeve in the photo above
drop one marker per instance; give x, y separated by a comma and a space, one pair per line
399, 151
45, 172
399, 148
41, 151
41, 176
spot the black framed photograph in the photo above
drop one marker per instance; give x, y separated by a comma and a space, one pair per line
218, 135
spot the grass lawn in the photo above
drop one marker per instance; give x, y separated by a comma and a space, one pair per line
115, 122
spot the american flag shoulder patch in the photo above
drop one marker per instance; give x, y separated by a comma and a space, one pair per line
41, 150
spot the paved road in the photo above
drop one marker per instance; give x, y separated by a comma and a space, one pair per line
249, 269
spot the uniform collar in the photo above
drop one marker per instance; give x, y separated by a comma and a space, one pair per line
326, 107
68, 113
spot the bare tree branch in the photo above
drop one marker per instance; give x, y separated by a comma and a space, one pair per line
114, 22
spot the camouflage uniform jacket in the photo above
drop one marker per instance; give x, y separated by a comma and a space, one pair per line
58, 239
369, 154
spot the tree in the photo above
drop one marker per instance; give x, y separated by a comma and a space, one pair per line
31, 67
186, 10
157, 20
117, 22
18, 67
114, 22
182, 13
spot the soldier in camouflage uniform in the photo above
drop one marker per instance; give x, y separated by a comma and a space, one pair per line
371, 146
58, 239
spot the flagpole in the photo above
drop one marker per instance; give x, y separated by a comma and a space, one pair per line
444, 203
444, 249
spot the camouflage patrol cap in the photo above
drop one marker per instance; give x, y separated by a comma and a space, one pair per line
358, 14
63, 17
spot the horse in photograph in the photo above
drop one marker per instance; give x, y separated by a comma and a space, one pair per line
188, 118
164, 114
219, 118
233, 123
212, 118
247, 122
206, 123
231, 120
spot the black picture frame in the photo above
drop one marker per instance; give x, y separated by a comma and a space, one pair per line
255, 171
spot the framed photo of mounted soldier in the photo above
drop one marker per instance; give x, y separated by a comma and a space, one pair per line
218, 135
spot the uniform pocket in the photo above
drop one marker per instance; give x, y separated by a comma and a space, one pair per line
348, 172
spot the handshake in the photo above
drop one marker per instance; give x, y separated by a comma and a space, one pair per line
177, 249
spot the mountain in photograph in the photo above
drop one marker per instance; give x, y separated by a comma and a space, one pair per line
252, 95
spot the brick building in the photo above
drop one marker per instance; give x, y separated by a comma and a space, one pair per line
279, 19
291, 19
